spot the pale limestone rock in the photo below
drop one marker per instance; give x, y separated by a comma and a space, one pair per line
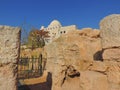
110, 31
98, 66
71, 84
7, 78
79, 49
111, 54
113, 72
9, 44
90, 80
9, 54
75, 49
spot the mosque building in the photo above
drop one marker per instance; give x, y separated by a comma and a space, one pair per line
55, 30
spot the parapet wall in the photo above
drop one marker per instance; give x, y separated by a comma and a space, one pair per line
68, 28
9, 54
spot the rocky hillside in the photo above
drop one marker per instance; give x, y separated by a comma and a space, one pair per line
86, 59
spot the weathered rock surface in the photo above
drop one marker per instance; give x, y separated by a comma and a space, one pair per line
90, 80
80, 60
74, 47
9, 44
9, 54
111, 54
75, 50
110, 31
111, 69
7, 78
98, 66
69, 85
113, 74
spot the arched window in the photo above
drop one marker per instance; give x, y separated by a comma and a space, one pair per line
64, 31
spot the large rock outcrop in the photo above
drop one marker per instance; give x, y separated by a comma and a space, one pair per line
77, 50
77, 46
9, 54
110, 30
86, 59
91, 80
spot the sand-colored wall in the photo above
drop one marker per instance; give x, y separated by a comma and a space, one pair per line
9, 54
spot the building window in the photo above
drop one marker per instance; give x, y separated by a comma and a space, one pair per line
61, 32
64, 32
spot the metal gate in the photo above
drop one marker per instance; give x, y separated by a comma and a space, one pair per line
29, 67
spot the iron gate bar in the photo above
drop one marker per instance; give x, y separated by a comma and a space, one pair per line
29, 67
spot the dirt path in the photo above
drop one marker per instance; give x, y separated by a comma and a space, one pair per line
41, 83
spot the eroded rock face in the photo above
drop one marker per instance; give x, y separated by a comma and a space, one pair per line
70, 54
91, 80
94, 63
9, 54
9, 44
98, 66
110, 31
112, 54
113, 74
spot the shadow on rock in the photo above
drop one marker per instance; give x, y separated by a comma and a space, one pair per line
98, 56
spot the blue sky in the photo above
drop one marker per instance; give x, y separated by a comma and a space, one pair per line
83, 13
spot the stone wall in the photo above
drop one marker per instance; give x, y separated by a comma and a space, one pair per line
68, 28
9, 54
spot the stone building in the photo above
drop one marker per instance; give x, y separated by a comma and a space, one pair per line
55, 30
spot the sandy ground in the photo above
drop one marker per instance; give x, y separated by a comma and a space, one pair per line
40, 83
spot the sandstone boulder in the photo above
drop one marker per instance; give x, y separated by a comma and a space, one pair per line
111, 54
76, 49
110, 31
113, 72
9, 44
71, 84
90, 80
98, 66
80, 60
